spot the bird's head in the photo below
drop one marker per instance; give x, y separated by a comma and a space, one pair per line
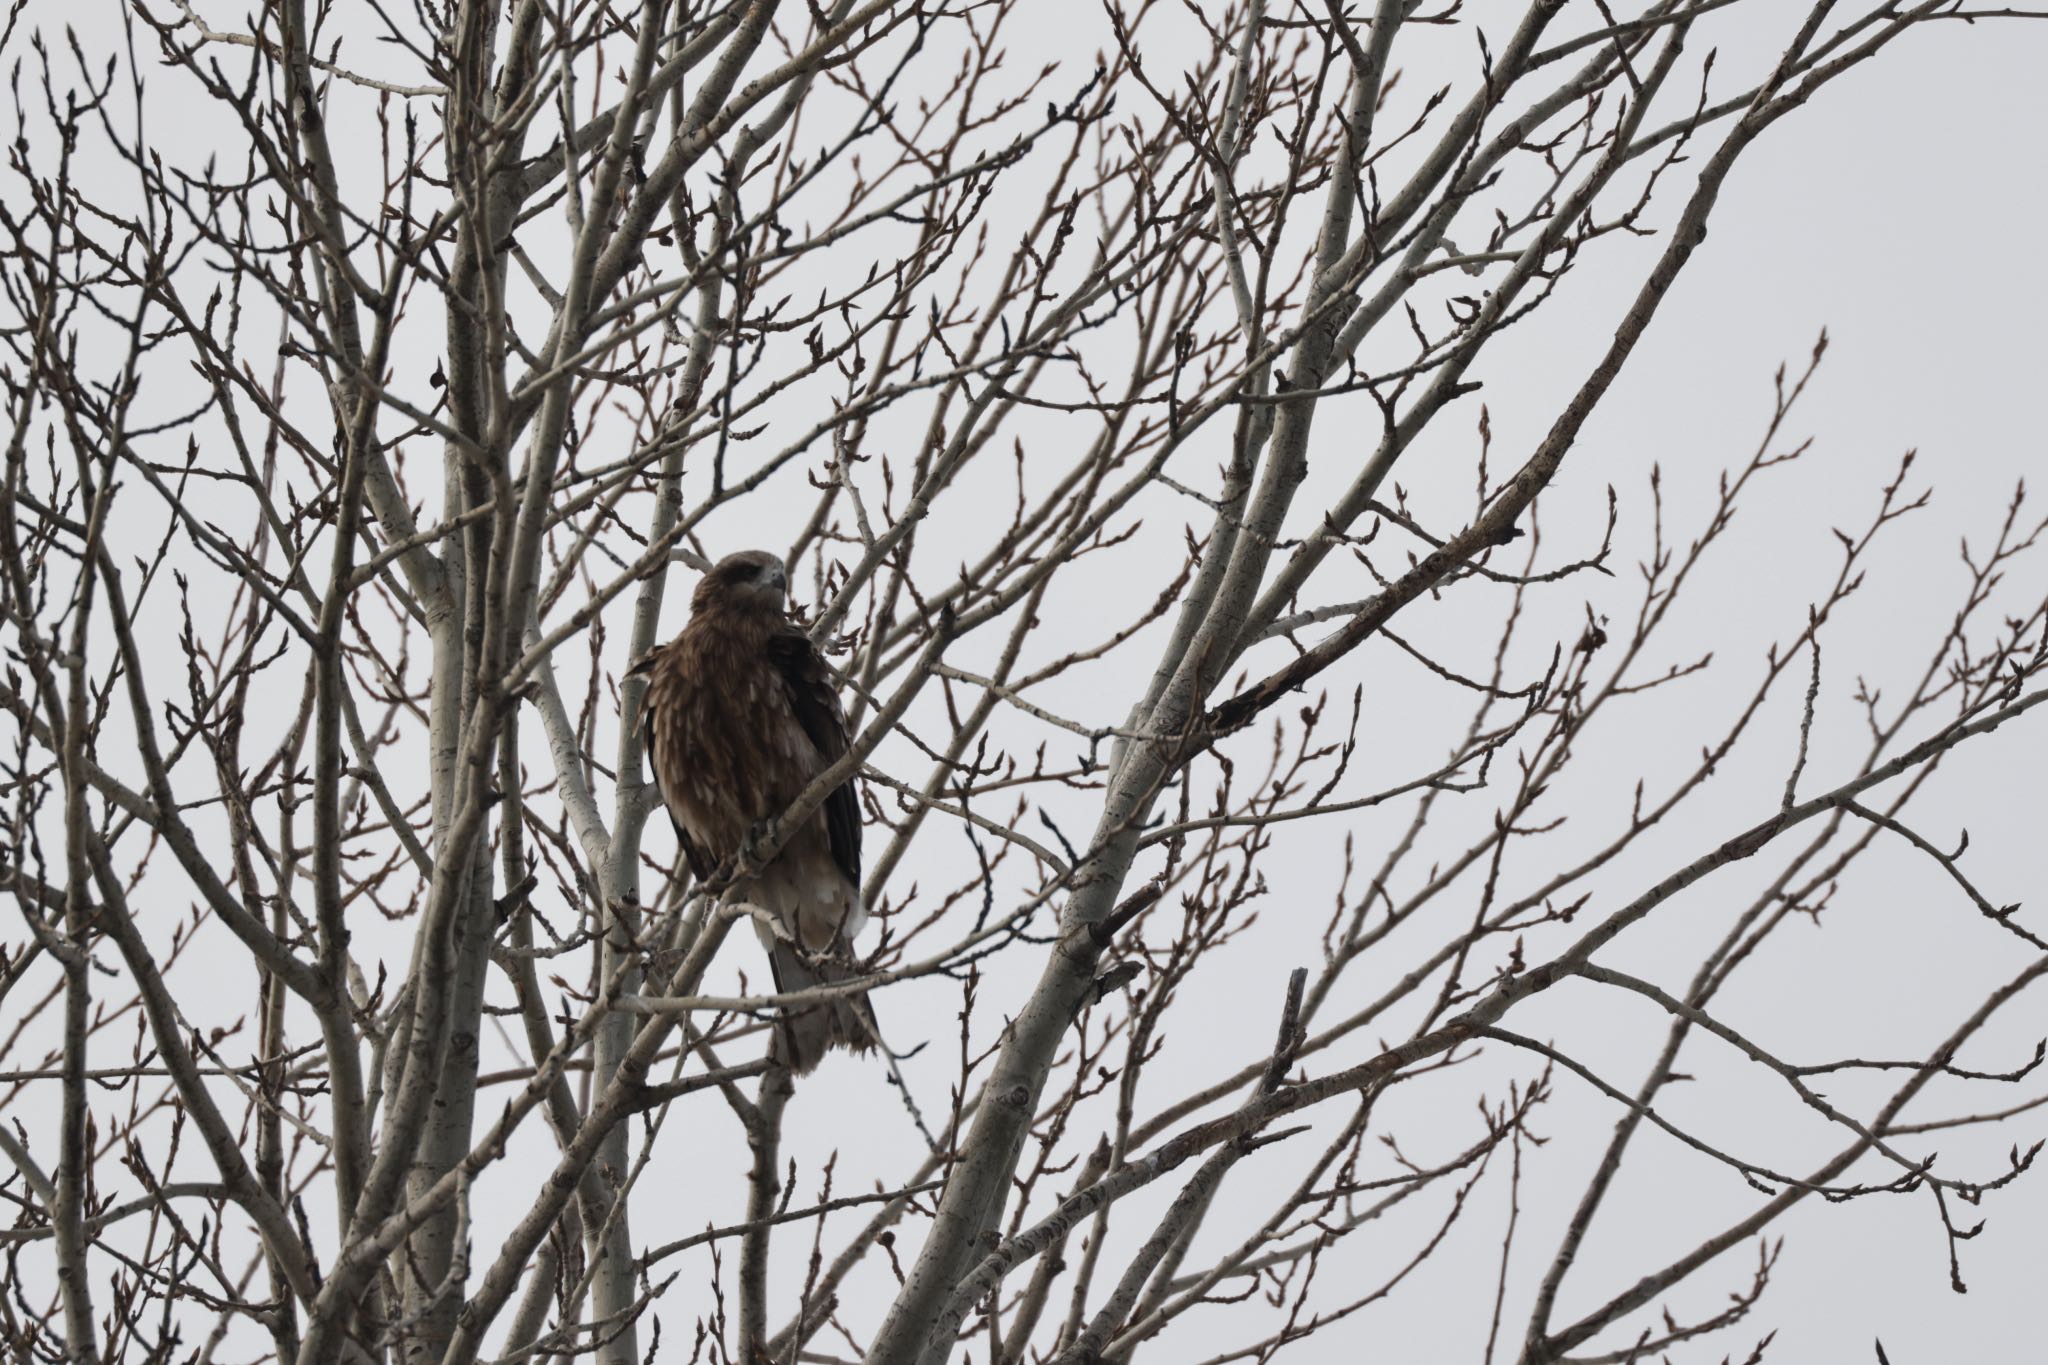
752, 580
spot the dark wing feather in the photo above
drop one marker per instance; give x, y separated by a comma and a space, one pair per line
816, 703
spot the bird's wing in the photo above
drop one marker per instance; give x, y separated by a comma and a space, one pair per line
816, 704
661, 757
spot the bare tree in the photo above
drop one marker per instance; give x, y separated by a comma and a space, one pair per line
372, 371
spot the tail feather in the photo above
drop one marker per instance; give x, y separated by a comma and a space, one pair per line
806, 1032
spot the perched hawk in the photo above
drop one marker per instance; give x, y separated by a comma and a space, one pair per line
740, 716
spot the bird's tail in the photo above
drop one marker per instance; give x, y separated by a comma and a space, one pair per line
806, 1032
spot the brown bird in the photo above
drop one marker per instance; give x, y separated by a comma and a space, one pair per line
740, 716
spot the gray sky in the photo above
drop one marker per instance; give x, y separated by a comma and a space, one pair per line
1895, 211
1900, 211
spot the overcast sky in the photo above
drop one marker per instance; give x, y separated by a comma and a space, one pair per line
1901, 211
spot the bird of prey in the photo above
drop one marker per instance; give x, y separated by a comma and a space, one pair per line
740, 716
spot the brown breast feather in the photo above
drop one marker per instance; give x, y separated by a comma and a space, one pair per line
726, 744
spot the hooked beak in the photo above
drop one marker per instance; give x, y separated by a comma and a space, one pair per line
779, 580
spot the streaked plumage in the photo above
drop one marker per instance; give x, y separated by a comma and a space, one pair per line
740, 716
